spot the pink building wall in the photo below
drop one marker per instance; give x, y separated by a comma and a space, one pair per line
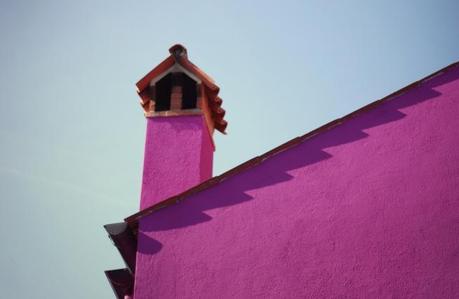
367, 209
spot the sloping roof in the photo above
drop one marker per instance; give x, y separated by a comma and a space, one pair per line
132, 220
178, 55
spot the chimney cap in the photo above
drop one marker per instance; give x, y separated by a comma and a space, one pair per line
178, 55
178, 51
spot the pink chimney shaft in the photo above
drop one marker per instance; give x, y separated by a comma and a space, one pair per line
182, 108
178, 156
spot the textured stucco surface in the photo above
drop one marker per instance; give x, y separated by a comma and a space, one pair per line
178, 155
367, 209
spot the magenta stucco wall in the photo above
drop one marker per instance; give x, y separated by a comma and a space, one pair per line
367, 209
178, 155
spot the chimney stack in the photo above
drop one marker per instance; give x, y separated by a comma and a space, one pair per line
183, 110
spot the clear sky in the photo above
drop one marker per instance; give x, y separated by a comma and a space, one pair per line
72, 131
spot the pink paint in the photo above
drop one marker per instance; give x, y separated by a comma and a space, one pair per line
178, 155
367, 209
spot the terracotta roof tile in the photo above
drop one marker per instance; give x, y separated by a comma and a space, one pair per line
178, 54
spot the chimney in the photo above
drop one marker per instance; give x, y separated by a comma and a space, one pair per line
183, 110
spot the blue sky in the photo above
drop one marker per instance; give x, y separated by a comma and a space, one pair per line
72, 131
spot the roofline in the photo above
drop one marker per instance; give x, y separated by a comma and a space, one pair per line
132, 220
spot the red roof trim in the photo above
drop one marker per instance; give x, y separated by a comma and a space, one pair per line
158, 70
185, 63
189, 66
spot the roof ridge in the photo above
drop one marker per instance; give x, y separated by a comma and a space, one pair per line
132, 220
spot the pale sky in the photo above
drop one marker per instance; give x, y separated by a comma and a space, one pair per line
72, 131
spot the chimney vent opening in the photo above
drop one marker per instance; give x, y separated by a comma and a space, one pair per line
190, 93
164, 92
163, 89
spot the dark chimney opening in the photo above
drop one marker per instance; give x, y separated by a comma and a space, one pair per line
163, 90
189, 91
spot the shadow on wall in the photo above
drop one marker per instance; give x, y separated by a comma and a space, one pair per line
275, 169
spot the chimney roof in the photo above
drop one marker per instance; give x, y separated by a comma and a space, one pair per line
178, 55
